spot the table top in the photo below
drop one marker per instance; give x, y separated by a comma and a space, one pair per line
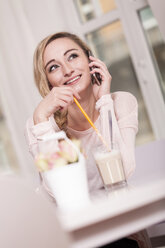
107, 205
146, 186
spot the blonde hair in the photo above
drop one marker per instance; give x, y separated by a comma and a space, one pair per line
41, 80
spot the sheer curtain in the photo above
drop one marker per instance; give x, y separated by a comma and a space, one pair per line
22, 25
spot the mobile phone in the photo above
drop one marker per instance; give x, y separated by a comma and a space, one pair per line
96, 78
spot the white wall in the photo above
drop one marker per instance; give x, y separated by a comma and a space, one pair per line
23, 23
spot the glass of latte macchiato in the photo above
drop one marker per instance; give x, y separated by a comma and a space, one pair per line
110, 166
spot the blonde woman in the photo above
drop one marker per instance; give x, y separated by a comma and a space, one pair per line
63, 68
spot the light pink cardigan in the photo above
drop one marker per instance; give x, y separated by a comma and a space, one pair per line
123, 107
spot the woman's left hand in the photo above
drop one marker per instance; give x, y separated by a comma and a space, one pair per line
100, 67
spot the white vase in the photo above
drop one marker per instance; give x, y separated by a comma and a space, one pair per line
69, 185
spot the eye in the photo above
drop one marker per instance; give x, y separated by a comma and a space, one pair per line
73, 56
53, 67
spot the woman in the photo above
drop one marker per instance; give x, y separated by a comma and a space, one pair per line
63, 68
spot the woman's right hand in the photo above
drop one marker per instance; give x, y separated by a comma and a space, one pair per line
58, 98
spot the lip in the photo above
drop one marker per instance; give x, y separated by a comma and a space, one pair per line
75, 80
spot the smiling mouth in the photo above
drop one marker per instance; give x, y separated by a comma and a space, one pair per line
72, 81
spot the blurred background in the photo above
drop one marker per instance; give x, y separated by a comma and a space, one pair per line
128, 36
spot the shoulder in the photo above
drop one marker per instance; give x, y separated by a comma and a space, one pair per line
124, 99
123, 96
124, 103
119, 99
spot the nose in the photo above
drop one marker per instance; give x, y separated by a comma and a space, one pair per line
67, 69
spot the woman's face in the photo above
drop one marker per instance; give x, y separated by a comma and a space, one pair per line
66, 64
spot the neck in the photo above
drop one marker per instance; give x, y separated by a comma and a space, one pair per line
76, 119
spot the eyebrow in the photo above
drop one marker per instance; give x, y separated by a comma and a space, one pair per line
50, 61
53, 60
72, 49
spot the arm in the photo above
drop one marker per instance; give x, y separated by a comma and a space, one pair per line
58, 98
43, 122
35, 133
123, 107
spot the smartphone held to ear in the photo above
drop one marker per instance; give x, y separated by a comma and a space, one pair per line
96, 78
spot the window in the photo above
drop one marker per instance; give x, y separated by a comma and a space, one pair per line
110, 46
125, 35
89, 9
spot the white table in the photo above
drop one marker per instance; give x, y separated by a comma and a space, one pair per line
116, 214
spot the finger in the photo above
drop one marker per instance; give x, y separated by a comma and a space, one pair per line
97, 64
101, 70
102, 73
63, 104
74, 93
59, 93
67, 99
94, 59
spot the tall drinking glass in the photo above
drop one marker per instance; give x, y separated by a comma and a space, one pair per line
110, 166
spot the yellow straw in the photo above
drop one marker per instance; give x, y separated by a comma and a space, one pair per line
91, 123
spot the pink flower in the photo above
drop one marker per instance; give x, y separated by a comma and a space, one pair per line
65, 154
52, 159
68, 152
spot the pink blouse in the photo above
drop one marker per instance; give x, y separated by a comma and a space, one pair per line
124, 112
